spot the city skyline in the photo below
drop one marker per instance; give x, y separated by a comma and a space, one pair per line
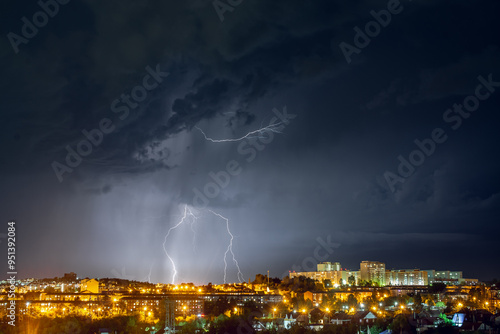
208, 141
321, 267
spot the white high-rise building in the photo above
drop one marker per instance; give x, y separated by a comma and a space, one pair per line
328, 266
373, 271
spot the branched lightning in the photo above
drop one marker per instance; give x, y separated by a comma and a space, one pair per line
275, 127
188, 213
229, 249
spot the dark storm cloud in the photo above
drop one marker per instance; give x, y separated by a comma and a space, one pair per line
322, 174
89, 66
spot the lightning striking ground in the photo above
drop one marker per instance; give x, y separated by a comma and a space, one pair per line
150, 271
188, 213
275, 127
229, 249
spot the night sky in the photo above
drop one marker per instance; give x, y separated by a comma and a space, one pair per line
379, 138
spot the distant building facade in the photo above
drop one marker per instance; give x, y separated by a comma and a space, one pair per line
449, 278
89, 285
70, 276
329, 266
330, 271
373, 271
444, 276
406, 277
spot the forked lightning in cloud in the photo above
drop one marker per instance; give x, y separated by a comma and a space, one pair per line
256, 133
188, 213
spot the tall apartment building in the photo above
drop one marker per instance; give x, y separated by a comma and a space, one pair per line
328, 266
445, 276
337, 277
332, 271
373, 271
406, 277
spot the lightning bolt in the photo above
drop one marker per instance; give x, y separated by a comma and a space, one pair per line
188, 213
149, 275
229, 250
275, 127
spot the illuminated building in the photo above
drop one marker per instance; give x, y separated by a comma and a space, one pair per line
449, 277
337, 277
373, 271
89, 285
184, 304
406, 277
328, 266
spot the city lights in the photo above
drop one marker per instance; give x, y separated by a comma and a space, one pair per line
110, 299
256, 167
